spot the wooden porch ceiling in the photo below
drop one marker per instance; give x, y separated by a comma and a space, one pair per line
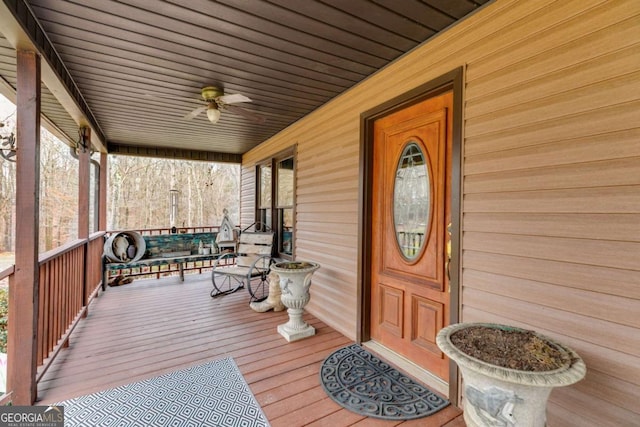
139, 65
152, 327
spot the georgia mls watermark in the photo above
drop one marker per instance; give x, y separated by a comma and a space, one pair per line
31, 416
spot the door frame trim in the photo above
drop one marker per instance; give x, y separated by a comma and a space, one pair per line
452, 80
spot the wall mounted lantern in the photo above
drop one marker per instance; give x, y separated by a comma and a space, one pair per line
8, 142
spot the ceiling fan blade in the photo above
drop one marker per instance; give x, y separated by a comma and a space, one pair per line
195, 112
247, 114
233, 98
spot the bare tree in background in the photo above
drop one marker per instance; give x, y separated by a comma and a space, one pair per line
137, 197
139, 187
58, 193
58, 196
7, 204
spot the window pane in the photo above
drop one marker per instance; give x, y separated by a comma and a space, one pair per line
412, 201
264, 216
93, 198
285, 229
265, 187
285, 182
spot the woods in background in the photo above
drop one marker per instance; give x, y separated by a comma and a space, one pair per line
138, 194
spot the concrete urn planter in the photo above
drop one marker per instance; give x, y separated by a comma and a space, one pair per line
295, 281
498, 396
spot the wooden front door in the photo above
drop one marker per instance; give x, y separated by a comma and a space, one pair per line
410, 299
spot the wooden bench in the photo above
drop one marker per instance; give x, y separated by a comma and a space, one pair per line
167, 249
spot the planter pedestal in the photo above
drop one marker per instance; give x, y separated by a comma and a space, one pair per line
497, 396
295, 281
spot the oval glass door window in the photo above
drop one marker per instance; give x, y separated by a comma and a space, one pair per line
411, 201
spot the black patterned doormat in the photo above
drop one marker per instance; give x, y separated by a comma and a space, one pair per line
366, 385
212, 394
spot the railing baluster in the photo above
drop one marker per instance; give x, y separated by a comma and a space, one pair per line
66, 274
62, 281
41, 321
46, 286
57, 295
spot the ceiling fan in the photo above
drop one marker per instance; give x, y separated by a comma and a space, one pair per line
217, 101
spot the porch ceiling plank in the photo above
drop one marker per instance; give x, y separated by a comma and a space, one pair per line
337, 18
22, 30
284, 106
191, 35
313, 36
279, 108
272, 104
144, 125
57, 121
174, 153
146, 117
455, 8
433, 18
226, 67
380, 25
139, 66
147, 80
136, 39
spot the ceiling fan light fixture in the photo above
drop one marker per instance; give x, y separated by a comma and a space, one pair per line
213, 113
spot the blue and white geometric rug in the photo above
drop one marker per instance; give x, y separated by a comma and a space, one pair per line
211, 394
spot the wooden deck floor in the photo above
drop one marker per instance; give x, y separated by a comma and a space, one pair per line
151, 327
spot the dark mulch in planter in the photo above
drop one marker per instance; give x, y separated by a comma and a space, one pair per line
514, 349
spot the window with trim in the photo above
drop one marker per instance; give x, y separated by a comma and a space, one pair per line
276, 200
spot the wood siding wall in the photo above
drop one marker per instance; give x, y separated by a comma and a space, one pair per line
551, 186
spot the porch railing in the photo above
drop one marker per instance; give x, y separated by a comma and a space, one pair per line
69, 278
167, 230
410, 242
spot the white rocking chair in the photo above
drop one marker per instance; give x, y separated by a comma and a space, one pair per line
251, 269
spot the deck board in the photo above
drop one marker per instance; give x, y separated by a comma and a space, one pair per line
152, 327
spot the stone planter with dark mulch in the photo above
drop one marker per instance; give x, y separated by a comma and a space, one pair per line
508, 372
